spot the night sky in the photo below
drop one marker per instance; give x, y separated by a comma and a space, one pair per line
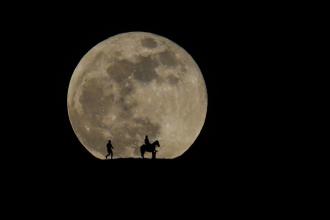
241, 163
232, 47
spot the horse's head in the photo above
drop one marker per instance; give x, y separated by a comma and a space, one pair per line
156, 143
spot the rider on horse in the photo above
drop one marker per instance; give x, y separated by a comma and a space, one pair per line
149, 147
146, 140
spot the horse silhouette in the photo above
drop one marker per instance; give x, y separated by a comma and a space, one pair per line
149, 148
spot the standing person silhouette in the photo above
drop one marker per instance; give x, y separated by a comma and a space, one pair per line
146, 140
109, 149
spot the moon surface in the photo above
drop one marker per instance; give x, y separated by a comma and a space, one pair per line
136, 84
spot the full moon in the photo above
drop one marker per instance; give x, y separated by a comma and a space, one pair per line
132, 85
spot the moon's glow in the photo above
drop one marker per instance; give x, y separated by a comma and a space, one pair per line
136, 84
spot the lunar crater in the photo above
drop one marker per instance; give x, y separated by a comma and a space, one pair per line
145, 69
149, 42
168, 58
120, 70
172, 79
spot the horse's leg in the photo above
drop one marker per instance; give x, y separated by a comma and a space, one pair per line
142, 153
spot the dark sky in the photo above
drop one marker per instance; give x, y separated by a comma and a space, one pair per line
237, 51
239, 163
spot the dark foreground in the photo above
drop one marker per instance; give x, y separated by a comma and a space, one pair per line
140, 159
